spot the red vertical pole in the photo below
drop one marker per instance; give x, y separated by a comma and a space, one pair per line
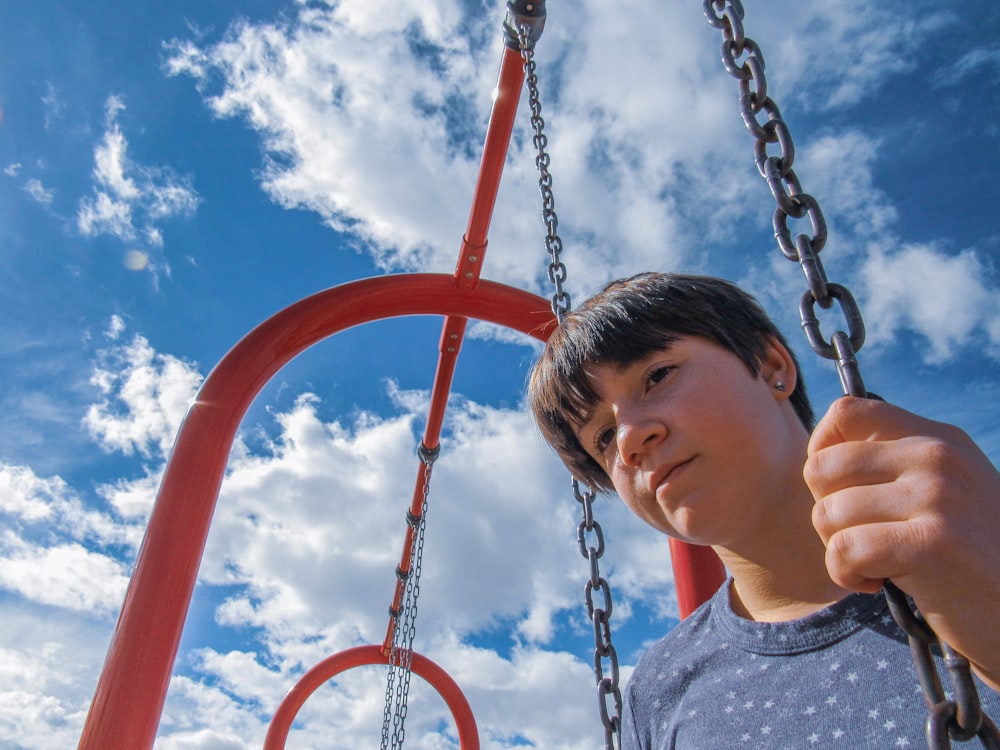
698, 573
467, 273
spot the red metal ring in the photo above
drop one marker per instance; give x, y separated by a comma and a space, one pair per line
447, 688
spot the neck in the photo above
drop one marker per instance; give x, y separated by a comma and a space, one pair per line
780, 572
758, 594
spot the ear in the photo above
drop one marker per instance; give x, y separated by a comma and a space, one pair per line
777, 368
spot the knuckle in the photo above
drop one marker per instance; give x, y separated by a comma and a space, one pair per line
821, 520
812, 471
937, 454
940, 465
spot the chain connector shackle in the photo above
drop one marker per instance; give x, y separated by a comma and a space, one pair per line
528, 15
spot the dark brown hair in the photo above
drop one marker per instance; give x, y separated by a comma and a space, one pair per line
622, 324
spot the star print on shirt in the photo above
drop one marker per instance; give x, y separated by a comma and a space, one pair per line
813, 697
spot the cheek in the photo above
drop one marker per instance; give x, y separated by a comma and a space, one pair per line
637, 499
624, 485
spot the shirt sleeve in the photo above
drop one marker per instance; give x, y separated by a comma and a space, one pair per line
629, 732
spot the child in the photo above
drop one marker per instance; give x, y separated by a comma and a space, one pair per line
679, 393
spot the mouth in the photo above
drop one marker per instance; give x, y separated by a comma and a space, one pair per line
664, 478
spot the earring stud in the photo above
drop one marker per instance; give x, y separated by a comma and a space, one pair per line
780, 386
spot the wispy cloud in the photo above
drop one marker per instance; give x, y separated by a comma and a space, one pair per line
53, 106
48, 663
975, 62
38, 192
131, 200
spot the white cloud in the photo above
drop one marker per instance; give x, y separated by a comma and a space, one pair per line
102, 214
146, 395
67, 576
839, 170
132, 499
49, 660
12, 170
55, 551
322, 90
374, 122
865, 47
116, 327
25, 495
49, 503
344, 491
944, 297
130, 200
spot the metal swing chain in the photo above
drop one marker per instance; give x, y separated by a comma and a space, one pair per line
561, 302
961, 718
605, 656
397, 688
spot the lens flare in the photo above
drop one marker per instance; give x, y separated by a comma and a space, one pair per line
136, 260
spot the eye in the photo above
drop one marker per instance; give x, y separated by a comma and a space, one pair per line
603, 438
658, 374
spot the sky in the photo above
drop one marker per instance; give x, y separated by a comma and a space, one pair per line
173, 174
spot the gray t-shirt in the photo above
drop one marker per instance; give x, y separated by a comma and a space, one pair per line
842, 677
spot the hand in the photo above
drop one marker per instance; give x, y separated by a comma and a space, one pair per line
916, 501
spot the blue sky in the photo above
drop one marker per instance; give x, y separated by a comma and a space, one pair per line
173, 174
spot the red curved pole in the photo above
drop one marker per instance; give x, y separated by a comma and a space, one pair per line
128, 701
277, 733
129, 698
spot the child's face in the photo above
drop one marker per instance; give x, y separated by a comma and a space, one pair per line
695, 444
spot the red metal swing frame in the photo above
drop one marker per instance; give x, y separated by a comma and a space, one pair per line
132, 688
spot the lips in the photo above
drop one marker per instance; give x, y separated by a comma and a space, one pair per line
668, 473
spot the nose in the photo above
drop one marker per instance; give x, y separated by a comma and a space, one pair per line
636, 435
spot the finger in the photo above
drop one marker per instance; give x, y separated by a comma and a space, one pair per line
859, 506
860, 419
856, 464
861, 557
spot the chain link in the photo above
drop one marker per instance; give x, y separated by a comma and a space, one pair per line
609, 692
963, 717
397, 687
606, 669
561, 302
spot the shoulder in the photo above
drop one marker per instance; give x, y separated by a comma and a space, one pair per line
669, 663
